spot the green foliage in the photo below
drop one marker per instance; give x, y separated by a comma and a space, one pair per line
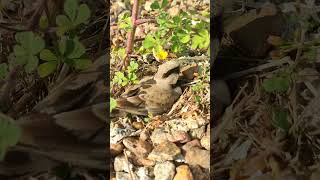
43, 22
310, 54
75, 15
197, 88
156, 5
3, 70
125, 21
9, 134
70, 51
178, 33
148, 118
123, 80
25, 52
113, 104
201, 40
279, 83
280, 118
121, 53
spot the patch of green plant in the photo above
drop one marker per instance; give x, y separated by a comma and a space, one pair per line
279, 83
70, 51
280, 118
113, 104
121, 53
25, 52
9, 134
125, 21
67, 49
200, 86
75, 15
310, 53
176, 33
196, 88
130, 76
3, 70
43, 22
148, 118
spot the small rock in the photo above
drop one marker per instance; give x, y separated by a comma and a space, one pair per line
158, 136
144, 135
138, 125
205, 142
125, 176
193, 143
183, 173
185, 124
179, 136
118, 132
142, 161
121, 164
116, 149
138, 147
198, 133
197, 156
164, 171
143, 173
164, 151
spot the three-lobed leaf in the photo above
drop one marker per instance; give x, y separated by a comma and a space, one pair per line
75, 15
31, 42
133, 67
25, 54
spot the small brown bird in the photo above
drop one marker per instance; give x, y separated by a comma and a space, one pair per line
155, 94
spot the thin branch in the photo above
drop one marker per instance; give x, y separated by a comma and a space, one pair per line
142, 21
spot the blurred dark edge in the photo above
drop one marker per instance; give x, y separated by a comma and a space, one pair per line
108, 93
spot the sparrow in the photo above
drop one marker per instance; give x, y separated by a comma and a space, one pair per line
154, 94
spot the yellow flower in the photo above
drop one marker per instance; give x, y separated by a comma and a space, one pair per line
159, 53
